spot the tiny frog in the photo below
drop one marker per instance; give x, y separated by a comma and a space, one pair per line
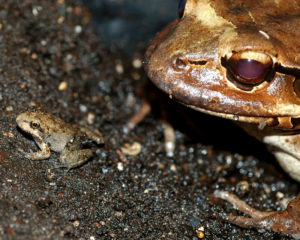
52, 133
238, 60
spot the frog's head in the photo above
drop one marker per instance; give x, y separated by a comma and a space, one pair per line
234, 59
31, 123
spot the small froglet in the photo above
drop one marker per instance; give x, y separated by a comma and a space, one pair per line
52, 133
238, 60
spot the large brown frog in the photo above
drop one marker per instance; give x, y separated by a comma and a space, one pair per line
238, 60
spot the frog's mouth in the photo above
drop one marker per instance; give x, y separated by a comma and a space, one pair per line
228, 103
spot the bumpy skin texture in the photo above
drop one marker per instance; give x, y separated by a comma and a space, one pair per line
52, 133
192, 60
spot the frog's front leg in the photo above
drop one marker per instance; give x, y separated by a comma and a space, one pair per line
40, 155
75, 158
257, 217
286, 222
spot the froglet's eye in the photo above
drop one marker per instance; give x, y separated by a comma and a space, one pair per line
249, 69
34, 125
181, 7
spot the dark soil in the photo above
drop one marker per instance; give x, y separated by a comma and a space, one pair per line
50, 58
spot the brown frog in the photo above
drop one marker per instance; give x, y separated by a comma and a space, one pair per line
52, 133
238, 60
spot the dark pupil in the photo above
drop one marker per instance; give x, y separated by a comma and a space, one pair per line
181, 7
297, 86
250, 69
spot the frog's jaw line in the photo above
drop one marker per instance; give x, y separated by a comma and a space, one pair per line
266, 121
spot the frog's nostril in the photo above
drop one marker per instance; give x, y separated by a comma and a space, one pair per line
179, 64
297, 86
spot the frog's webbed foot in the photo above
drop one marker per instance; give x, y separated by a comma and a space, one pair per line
258, 218
71, 159
241, 205
286, 222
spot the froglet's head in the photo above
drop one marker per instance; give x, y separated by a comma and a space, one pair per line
30, 123
234, 59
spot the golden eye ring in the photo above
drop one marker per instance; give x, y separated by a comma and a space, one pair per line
34, 125
248, 69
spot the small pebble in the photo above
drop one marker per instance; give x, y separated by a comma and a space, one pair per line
102, 223
173, 168
243, 186
83, 108
132, 149
137, 63
8, 134
34, 56
200, 232
9, 108
35, 11
78, 29
120, 166
91, 118
43, 42
279, 195
61, 19
119, 68
76, 223
267, 190
63, 86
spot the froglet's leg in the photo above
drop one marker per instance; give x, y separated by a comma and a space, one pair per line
40, 155
71, 159
95, 135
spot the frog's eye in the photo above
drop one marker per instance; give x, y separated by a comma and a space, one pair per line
249, 69
181, 7
34, 125
297, 86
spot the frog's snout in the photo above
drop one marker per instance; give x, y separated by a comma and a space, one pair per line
19, 119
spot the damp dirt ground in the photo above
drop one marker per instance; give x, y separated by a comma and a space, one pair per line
51, 58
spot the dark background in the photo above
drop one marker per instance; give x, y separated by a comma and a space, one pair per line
151, 196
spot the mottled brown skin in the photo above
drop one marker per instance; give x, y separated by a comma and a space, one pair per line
190, 61
52, 133
206, 86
